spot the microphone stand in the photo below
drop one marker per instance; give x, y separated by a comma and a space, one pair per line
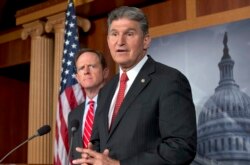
17, 147
74, 126
70, 148
40, 132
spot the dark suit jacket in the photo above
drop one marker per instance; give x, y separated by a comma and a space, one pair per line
156, 123
76, 114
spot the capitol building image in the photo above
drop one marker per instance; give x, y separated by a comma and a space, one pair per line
223, 127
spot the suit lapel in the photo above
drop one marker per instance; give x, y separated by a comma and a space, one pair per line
140, 82
107, 102
79, 117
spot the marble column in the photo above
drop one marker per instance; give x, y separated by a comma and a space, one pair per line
40, 94
55, 24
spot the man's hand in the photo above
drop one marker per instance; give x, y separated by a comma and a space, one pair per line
91, 157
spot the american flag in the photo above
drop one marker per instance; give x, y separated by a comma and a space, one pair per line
71, 94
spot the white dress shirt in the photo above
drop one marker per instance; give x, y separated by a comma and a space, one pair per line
132, 73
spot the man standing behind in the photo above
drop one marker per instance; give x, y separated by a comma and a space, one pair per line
91, 73
146, 115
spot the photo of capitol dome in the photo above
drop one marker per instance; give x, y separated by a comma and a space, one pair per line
224, 122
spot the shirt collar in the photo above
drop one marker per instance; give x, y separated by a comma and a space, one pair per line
94, 99
132, 73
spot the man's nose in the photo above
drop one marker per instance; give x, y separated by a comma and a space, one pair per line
86, 70
121, 40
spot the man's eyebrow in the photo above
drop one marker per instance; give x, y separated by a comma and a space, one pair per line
129, 29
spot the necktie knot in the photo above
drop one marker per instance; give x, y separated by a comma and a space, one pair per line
91, 102
124, 77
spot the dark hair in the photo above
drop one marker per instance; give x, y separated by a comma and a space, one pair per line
99, 54
131, 13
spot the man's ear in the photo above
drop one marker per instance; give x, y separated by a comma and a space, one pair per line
77, 78
147, 41
105, 73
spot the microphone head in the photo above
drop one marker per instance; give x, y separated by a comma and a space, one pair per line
74, 125
43, 130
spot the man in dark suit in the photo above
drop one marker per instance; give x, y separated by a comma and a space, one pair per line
91, 73
156, 121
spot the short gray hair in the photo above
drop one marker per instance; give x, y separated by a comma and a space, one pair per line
131, 13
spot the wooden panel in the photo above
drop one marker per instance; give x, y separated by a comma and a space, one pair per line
166, 12
201, 22
206, 7
84, 8
13, 118
100, 8
14, 52
45, 9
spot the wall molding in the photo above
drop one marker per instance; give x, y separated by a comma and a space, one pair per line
192, 23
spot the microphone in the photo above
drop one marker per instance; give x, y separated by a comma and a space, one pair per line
73, 128
40, 132
43, 130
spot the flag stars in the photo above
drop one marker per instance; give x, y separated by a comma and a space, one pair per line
68, 13
69, 63
64, 81
73, 46
65, 51
66, 71
69, 33
71, 54
67, 42
71, 25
